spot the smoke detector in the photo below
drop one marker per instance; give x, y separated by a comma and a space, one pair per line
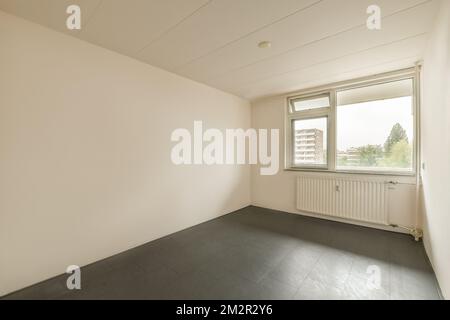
264, 44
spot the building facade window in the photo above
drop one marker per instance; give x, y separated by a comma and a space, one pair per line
362, 126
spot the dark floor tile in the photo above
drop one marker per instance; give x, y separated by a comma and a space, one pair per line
372, 270
412, 283
49, 289
233, 287
288, 274
194, 285
316, 290
250, 269
257, 253
333, 268
271, 289
361, 287
305, 255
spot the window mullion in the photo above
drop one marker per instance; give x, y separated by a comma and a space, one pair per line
332, 132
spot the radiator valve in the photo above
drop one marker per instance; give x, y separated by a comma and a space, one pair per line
417, 234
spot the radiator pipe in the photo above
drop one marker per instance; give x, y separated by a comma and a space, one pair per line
415, 232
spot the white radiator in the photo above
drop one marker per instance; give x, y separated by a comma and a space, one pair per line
356, 199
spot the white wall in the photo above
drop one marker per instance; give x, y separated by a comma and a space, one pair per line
85, 153
276, 191
435, 127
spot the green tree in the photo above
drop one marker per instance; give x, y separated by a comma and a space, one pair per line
397, 134
370, 154
342, 160
400, 155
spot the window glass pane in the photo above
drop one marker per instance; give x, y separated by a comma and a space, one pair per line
375, 127
310, 103
310, 142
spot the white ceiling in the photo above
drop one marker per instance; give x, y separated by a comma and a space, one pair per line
314, 42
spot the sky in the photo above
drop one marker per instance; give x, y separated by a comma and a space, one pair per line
366, 123
371, 122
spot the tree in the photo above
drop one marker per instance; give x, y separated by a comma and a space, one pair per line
400, 156
370, 154
397, 134
342, 160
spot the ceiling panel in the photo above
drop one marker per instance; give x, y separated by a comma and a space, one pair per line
342, 69
326, 19
129, 26
215, 25
215, 41
411, 22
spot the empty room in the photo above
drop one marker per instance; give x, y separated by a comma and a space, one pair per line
237, 150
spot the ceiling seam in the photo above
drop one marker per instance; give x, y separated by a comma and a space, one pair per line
173, 27
340, 57
91, 16
247, 34
313, 42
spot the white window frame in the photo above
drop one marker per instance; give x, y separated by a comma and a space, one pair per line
316, 113
332, 90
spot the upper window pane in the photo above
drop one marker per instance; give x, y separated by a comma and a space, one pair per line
310, 142
310, 103
375, 128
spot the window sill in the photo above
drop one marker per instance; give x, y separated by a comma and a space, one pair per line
353, 172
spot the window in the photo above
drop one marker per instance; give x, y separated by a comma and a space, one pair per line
375, 127
309, 122
311, 103
363, 126
310, 142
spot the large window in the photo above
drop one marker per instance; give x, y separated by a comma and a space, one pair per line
366, 126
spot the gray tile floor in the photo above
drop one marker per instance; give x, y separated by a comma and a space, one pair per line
257, 253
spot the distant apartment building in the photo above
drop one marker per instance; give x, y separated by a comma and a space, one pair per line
309, 146
351, 157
